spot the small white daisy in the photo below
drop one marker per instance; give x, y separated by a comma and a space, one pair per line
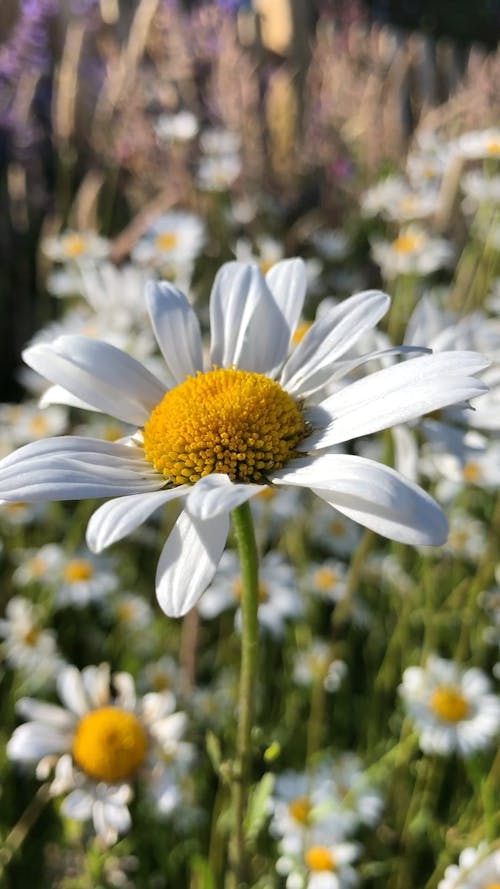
217, 436
37, 565
70, 246
174, 238
321, 863
82, 578
412, 252
326, 579
100, 742
453, 709
317, 664
27, 422
27, 646
476, 869
479, 144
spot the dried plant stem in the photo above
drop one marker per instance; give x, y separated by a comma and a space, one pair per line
20, 831
247, 548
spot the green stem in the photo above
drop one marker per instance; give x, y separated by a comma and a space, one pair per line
247, 549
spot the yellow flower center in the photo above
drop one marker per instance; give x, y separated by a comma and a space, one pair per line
492, 886
78, 569
31, 637
74, 245
458, 539
39, 425
337, 528
38, 566
319, 858
166, 241
472, 472
300, 809
109, 744
408, 243
325, 578
493, 147
262, 593
449, 704
226, 420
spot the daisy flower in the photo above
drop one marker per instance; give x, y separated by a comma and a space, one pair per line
82, 578
70, 246
453, 709
413, 252
217, 434
98, 743
475, 870
174, 238
26, 645
479, 144
321, 864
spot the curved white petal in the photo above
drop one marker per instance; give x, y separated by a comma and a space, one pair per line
188, 561
119, 517
60, 395
176, 329
331, 335
287, 281
74, 468
78, 805
248, 328
71, 690
99, 374
372, 494
395, 395
32, 740
216, 493
50, 714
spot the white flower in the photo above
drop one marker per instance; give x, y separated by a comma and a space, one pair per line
321, 863
98, 743
179, 127
327, 579
82, 578
217, 436
27, 421
174, 238
479, 144
394, 200
453, 709
37, 565
279, 598
27, 646
70, 246
413, 252
475, 870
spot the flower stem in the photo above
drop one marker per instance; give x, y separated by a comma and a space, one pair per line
247, 549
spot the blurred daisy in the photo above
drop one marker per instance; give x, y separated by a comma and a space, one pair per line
467, 537
332, 531
37, 565
182, 126
453, 709
100, 742
70, 246
26, 645
479, 144
395, 200
218, 173
322, 863
279, 598
217, 436
476, 869
268, 252
327, 579
83, 578
27, 422
174, 238
317, 664
413, 252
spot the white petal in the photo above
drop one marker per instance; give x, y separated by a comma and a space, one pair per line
331, 335
60, 395
73, 468
248, 329
216, 493
188, 561
395, 395
100, 375
119, 517
78, 804
176, 329
371, 494
50, 714
287, 281
72, 692
33, 740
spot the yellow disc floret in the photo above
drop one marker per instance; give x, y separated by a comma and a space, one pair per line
320, 858
77, 570
110, 744
226, 420
449, 704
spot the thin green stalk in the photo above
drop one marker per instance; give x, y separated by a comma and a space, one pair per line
20, 831
247, 549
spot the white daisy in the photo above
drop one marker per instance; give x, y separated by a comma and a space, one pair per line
322, 863
174, 238
37, 565
475, 870
26, 645
250, 419
100, 742
327, 579
412, 252
453, 709
479, 144
70, 246
83, 578
317, 664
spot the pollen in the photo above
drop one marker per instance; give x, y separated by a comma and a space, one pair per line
319, 858
449, 704
408, 242
166, 241
110, 744
472, 472
325, 578
78, 569
74, 245
300, 809
225, 420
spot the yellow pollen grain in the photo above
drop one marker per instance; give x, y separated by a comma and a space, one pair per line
408, 243
300, 809
110, 744
226, 420
319, 858
449, 704
78, 569
166, 241
74, 245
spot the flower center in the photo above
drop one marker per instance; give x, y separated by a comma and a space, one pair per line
492, 886
449, 704
31, 637
319, 858
472, 472
74, 245
300, 809
109, 744
493, 147
325, 579
78, 569
166, 241
408, 243
226, 420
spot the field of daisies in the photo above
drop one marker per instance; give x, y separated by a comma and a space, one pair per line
249, 456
